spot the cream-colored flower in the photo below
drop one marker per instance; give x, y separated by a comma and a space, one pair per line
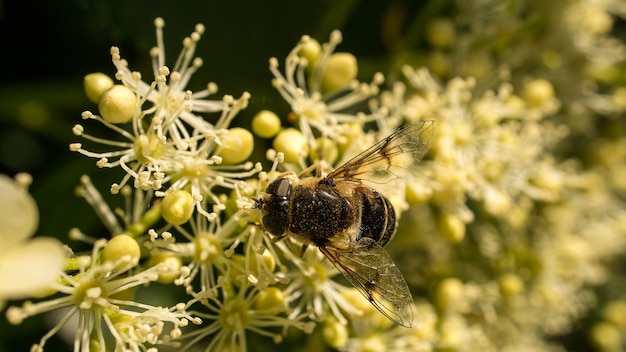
321, 88
95, 294
27, 266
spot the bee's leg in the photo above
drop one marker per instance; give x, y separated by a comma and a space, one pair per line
292, 247
303, 250
273, 238
317, 167
286, 173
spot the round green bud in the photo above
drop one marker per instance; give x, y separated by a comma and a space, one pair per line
335, 334
339, 71
547, 178
615, 313
95, 84
123, 251
118, 104
606, 337
177, 207
619, 97
496, 203
310, 50
271, 300
292, 144
510, 285
237, 147
268, 260
449, 293
537, 92
451, 228
265, 124
418, 193
171, 266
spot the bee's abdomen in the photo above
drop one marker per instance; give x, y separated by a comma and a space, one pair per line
378, 218
319, 213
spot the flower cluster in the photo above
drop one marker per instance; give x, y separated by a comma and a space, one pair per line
168, 142
505, 228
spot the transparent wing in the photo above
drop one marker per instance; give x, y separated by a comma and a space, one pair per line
390, 157
372, 272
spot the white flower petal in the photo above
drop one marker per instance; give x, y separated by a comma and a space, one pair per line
19, 216
29, 269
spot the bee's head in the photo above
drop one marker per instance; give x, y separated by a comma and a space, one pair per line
274, 205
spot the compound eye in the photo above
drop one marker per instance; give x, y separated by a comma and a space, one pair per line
280, 187
275, 223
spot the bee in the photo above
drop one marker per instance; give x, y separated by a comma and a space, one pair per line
348, 220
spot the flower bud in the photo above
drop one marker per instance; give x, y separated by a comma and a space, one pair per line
418, 192
615, 313
496, 202
271, 300
334, 333
510, 285
237, 146
292, 144
118, 104
123, 251
171, 266
339, 71
177, 207
265, 124
449, 293
310, 51
95, 84
606, 337
537, 92
451, 227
